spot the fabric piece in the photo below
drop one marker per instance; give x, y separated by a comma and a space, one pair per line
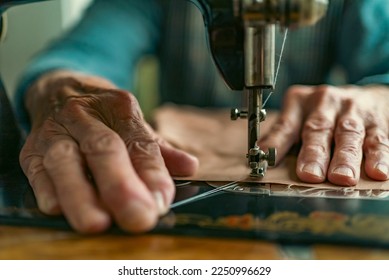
221, 145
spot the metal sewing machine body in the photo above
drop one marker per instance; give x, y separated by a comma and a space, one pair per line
241, 36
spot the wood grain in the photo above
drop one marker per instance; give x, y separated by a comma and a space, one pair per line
30, 243
46, 244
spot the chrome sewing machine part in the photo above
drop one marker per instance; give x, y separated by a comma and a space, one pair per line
259, 19
259, 71
258, 160
241, 35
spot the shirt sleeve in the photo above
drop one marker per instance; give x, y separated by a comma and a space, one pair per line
363, 42
108, 42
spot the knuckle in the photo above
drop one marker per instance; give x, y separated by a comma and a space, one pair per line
377, 154
349, 151
129, 98
34, 169
318, 123
373, 120
69, 111
350, 126
73, 102
59, 153
101, 143
72, 105
25, 156
132, 125
49, 127
138, 131
377, 142
146, 153
137, 125
315, 149
128, 103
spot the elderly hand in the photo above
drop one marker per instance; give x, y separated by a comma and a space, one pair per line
338, 127
91, 156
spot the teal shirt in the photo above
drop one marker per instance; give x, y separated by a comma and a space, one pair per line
113, 35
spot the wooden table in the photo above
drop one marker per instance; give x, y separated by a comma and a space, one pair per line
38, 243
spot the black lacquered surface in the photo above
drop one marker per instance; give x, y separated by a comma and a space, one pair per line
288, 219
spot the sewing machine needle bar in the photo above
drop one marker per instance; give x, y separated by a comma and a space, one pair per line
254, 117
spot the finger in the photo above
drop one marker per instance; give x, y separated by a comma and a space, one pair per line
149, 164
41, 184
178, 162
314, 155
155, 161
317, 136
376, 151
285, 132
123, 192
346, 161
76, 195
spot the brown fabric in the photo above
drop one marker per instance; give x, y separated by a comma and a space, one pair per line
221, 146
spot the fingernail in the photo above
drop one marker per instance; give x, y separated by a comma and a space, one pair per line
314, 169
383, 168
160, 201
344, 171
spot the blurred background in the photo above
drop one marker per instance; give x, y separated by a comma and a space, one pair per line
29, 28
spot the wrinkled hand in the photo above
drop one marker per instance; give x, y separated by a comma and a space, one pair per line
338, 127
91, 156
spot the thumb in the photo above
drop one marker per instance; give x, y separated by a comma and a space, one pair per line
178, 162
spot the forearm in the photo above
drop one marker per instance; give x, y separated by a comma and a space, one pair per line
363, 42
107, 43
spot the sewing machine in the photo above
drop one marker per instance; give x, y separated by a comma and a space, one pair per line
241, 36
